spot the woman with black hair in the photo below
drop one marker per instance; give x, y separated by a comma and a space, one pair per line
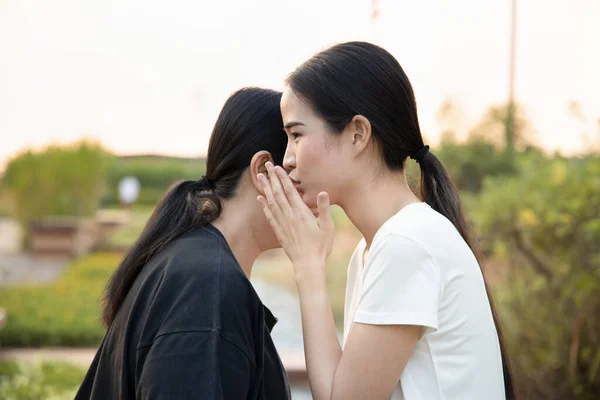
184, 321
419, 322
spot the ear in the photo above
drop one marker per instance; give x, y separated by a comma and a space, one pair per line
360, 133
257, 166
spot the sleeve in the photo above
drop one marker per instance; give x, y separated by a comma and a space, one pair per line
195, 365
401, 285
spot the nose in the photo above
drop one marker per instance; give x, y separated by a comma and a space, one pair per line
289, 159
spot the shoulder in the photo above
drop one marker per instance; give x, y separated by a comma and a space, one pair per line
414, 218
422, 225
200, 282
394, 247
202, 259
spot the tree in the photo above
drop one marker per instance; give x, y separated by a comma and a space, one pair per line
492, 128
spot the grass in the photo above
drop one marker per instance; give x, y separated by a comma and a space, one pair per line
129, 233
47, 380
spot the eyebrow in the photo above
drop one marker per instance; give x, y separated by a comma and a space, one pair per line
293, 124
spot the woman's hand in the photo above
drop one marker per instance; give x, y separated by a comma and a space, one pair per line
306, 240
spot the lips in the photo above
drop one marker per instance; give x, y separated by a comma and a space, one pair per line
296, 184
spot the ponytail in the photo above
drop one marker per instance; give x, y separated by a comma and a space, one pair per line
187, 205
439, 192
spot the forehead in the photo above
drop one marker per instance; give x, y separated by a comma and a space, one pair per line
293, 107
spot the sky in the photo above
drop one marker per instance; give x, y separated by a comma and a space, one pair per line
151, 76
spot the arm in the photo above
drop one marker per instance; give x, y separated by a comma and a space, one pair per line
322, 349
373, 359
192, 365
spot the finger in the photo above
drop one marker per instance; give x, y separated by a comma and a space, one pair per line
271, 202
292, 194
324, 206
270, 218
278, 192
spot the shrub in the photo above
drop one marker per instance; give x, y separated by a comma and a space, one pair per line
64, 313
545, 224
60, 180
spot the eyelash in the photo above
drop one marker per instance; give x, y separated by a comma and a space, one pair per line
295, 135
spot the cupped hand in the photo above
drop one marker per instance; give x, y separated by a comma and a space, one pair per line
307, 240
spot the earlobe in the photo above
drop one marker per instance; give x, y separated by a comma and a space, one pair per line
257, 166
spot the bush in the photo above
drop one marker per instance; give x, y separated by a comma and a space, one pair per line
74, 180
6, 204
544, 223
60, 180
45, 381
64, 313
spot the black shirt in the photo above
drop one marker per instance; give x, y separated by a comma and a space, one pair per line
191, 327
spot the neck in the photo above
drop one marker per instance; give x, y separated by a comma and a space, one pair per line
236, 226
368, 207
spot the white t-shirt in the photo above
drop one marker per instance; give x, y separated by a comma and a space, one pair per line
419, 271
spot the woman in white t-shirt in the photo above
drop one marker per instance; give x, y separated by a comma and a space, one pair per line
418, 320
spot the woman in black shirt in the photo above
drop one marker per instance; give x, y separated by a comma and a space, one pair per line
183, 320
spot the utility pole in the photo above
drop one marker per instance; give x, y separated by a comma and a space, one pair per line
510, 117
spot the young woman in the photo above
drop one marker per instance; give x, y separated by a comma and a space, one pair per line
419, 323
183, 319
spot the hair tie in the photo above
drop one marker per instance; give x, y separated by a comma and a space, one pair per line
419, 156
206, 183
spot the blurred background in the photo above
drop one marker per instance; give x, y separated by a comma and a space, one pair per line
104, 104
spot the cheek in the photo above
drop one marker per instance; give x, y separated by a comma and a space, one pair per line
309, 155
318, 166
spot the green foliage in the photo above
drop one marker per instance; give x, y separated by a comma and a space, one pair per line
156, 175
64, 313
126, 236
6, 204
44, 381
545, 224
60, 180
468, 164
485, 151
74, 180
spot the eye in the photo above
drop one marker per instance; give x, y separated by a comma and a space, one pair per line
295, 135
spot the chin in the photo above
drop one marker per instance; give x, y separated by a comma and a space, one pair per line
310, 200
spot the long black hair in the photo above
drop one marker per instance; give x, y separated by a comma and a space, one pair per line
358, 78
249, 122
